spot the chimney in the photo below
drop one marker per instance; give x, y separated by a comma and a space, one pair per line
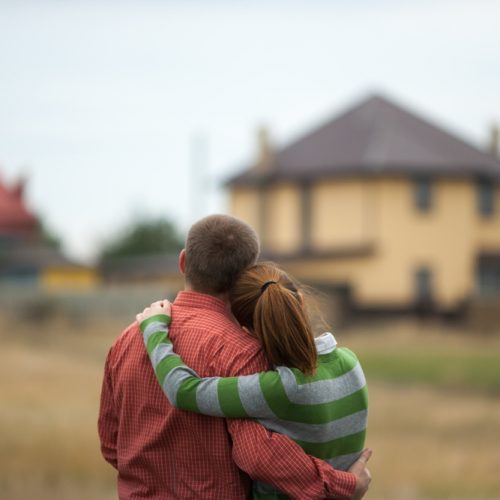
494, 140
265, 153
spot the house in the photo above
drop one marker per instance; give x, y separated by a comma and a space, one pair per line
25, 258
380, 206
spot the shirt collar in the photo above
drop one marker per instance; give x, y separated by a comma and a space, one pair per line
325, 343
201, 301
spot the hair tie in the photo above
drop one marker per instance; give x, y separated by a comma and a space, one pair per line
265, 285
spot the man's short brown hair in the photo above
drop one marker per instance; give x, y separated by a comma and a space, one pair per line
218, 249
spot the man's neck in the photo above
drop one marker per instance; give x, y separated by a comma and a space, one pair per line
221, 296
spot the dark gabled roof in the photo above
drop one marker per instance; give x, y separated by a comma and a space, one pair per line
376, 136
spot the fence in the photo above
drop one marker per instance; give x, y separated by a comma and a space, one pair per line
29, 302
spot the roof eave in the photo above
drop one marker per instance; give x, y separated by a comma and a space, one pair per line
365, 172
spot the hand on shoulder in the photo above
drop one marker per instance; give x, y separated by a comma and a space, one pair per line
158, 307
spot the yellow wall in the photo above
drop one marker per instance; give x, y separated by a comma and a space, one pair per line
341, 215
69, 278
407, 239
244, 204
283, 220
279, 227
353, 213
448, 239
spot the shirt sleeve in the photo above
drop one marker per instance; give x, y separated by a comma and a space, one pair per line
108, 421
275, 459
231, 397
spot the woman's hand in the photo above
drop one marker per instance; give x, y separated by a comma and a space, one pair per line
159, 307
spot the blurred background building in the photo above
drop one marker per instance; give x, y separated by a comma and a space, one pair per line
378, 208
39, 281
28, 255
381, 209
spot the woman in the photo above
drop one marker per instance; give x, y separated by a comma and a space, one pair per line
317, 393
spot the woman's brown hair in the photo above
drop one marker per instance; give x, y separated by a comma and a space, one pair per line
265, 300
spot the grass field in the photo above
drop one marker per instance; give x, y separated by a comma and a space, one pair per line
413, 352
434, 411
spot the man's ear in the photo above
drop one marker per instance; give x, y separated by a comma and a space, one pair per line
182, 261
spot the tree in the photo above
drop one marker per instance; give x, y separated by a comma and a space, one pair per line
47, 236
144, 237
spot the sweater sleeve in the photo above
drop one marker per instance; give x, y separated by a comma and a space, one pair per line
231, 397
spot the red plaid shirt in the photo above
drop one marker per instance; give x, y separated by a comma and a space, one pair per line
164, 453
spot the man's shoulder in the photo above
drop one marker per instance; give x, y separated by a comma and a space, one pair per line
127, 334
216, 327
222, 331
129, 339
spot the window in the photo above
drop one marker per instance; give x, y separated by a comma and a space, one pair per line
488, 276
486, 197
423, 193
423, 285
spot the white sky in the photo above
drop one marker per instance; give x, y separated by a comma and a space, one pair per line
100, 99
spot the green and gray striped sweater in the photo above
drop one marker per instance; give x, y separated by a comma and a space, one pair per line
326, 413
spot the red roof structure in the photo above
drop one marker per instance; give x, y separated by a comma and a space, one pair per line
23, 251
15, 218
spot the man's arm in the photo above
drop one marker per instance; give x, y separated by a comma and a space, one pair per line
275, 459
108, 420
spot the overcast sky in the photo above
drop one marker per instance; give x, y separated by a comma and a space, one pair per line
101, 101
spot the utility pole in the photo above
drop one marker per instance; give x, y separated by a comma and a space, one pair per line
198, 178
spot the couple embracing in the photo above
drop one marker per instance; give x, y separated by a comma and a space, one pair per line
228, 393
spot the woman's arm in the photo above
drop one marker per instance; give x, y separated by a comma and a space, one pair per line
231, 397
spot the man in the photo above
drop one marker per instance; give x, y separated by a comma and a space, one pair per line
164, 453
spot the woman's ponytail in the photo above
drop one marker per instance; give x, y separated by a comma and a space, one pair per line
265, 300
